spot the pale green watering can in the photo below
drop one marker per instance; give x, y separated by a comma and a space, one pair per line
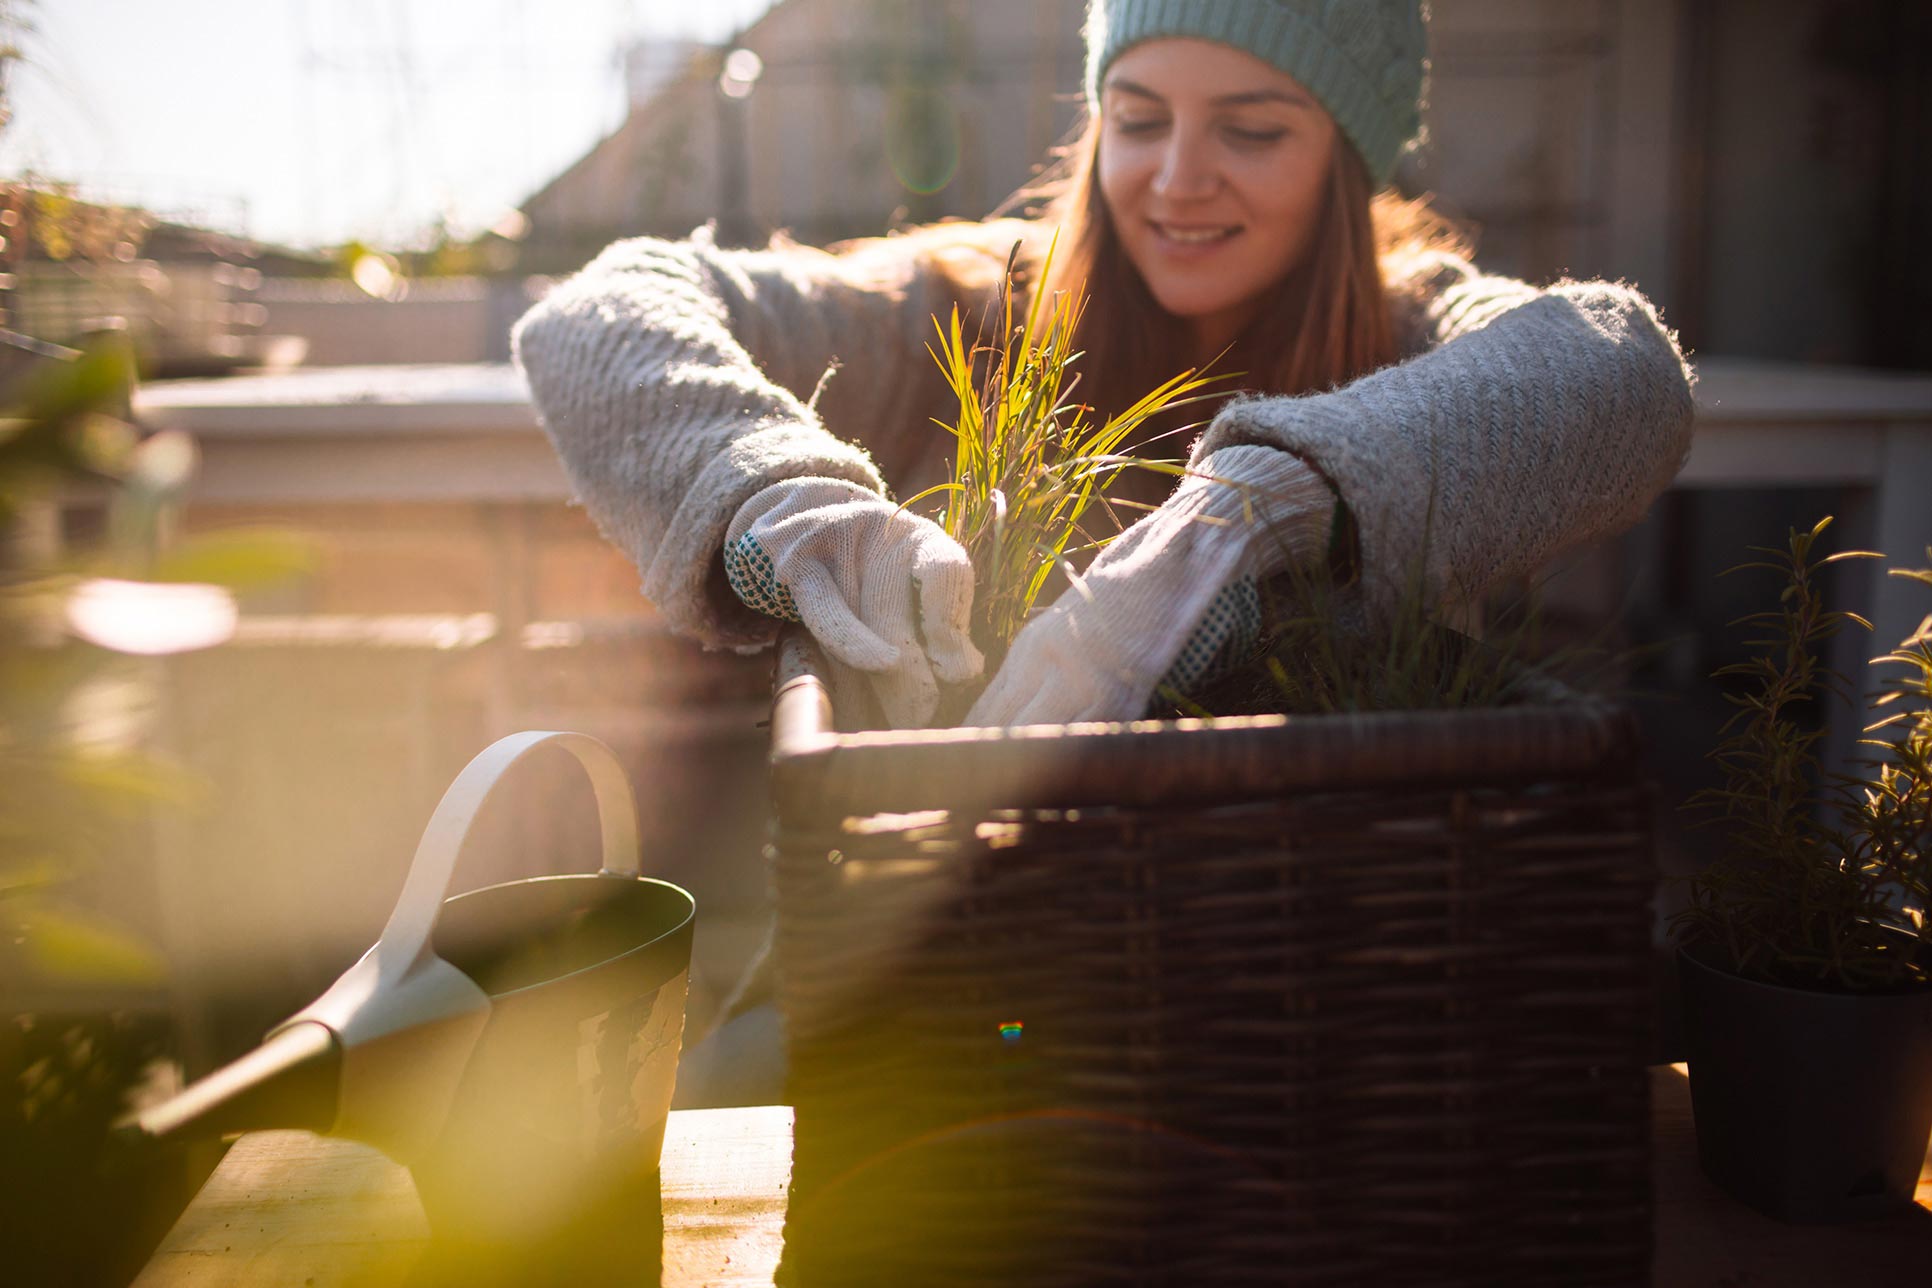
515, 1046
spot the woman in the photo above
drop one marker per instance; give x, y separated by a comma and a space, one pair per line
1220, 200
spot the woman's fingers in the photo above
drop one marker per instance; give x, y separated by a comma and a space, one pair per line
824, 612
1034, 685
998, 704
878, 639
945, 578
908, 694
862, 609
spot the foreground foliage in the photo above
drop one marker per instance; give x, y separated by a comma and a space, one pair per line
84, 997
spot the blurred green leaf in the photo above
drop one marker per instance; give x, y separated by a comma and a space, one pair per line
30, 876
64, 391
38, 678
124, 779
238, 558
82, 950
55, 424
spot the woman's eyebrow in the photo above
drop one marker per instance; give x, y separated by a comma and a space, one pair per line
1136, 89
1243, 99
1292, 98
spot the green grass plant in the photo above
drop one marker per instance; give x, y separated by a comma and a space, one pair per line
1031, 461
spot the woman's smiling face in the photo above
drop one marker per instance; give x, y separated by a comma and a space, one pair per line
1214, 167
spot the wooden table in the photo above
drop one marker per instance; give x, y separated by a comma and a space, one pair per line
1708, 1240
287, 1207
290, 1208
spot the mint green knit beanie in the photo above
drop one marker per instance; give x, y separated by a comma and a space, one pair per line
1364, 59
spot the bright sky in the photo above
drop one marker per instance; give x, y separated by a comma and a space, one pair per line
311, 122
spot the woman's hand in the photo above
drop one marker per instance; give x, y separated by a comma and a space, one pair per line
867, 579
1165, 598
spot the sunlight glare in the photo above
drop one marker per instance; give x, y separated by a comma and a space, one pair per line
379, 275
742, 68
151, 618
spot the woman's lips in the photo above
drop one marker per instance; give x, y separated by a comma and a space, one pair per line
1192, 239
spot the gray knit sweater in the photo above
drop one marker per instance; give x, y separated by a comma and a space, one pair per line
674, 379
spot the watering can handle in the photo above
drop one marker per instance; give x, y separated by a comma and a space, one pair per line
405, 938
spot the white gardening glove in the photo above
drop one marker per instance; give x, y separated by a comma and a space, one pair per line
866, 578
1099, 651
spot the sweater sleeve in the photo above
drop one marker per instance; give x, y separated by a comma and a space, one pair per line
674, 380
1531, 421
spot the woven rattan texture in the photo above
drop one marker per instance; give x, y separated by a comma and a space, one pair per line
1357, 1037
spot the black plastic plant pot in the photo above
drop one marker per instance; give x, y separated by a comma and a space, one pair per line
1810, 1106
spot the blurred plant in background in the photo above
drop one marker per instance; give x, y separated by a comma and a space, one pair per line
14, 28
84, 1006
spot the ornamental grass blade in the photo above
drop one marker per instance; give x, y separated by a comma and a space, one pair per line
1029, 460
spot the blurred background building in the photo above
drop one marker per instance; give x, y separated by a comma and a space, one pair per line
830, 119
1756, 165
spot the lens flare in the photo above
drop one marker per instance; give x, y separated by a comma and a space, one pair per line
922, 142
151, 618
379, 275
742, 68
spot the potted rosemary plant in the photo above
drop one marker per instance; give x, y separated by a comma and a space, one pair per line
1805, 953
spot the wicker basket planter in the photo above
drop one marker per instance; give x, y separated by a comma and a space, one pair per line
1271, 1001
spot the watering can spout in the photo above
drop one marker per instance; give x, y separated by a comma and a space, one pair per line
376, 1058
291, 1080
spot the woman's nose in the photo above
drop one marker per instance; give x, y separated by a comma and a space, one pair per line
1184, 171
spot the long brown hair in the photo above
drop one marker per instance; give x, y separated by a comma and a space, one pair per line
1327, 323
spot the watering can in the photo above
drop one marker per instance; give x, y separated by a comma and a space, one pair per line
515, 1046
